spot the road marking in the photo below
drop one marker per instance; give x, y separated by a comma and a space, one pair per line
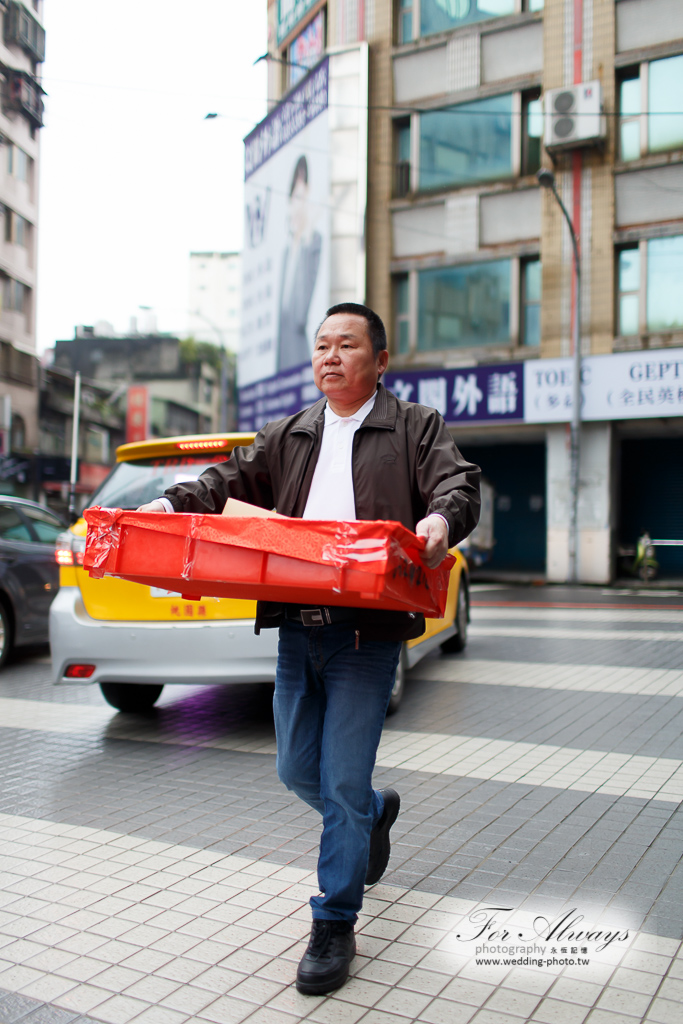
547, 676
485, 612
114, 926
532, 764
555, 633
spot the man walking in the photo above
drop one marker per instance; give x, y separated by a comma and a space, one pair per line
358, 453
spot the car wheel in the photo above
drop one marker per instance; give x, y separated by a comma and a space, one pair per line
131, 696
5, 634
456, 644
399, 685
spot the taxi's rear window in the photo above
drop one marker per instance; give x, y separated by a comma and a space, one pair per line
131, 484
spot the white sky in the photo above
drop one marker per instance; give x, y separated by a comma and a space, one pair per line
133, 178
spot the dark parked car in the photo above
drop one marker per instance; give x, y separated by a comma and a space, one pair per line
29, 574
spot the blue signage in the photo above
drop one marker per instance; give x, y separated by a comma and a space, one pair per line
289, 118
276, 397
471, 394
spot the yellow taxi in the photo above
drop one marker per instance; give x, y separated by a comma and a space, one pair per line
132, 640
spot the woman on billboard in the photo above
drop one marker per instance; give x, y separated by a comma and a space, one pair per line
301, 261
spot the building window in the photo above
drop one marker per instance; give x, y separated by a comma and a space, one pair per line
650, 114
464, 306
652, 272
405, 21
664, 276
532, 131
13, 295
531, 303
628, 285
402, 162
402, 314
465, 144
16, 228
443, 15
307, 49
18, 162
25, 30
18, 432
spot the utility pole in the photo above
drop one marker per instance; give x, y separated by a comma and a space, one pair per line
546, 179
75, 423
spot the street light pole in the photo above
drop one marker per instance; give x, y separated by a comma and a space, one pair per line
546, 179
224, 367
75, 422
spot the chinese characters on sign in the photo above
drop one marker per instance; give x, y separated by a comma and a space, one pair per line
137, 413
628, 385
625, 385
279, 396
289, 118
471, 394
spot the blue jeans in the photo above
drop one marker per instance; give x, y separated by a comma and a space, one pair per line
329, 707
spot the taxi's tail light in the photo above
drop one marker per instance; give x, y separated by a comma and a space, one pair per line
69, 550
79, 671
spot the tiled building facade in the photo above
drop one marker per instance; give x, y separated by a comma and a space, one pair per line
22, 50
471, 262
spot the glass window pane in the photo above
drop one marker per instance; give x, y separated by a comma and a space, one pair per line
629, 270
401, 295
536, 5
629, 141
664, 276
464, 306
468, 143
532, 281
406, 29
665, 84
534, 124
629, 97
403, 142
403, 336
532, 325
47, 526
628, 314
443, 15
12, 526
134, 483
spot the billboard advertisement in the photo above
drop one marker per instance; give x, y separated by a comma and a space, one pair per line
289, 14
307, 49
286, 255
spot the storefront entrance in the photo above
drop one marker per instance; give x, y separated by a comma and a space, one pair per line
651, 496
517, 473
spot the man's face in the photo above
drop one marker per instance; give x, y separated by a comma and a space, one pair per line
344, 365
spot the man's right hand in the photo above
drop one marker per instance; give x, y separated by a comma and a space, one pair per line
151, 506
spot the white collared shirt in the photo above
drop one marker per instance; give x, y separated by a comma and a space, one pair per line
331, 495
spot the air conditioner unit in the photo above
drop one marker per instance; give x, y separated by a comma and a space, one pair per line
574, 117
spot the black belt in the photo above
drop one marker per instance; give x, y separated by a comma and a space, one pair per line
320, 616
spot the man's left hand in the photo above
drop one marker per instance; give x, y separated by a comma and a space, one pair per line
435, 532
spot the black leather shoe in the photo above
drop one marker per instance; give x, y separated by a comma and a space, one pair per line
380, 845
324, 966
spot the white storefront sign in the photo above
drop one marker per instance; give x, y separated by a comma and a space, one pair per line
620, 386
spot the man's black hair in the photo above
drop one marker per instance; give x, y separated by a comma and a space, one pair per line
378, 335
300, 172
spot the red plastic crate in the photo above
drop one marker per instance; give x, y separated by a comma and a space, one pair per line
355, 564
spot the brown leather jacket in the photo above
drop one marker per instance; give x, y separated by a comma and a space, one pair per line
405, 466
